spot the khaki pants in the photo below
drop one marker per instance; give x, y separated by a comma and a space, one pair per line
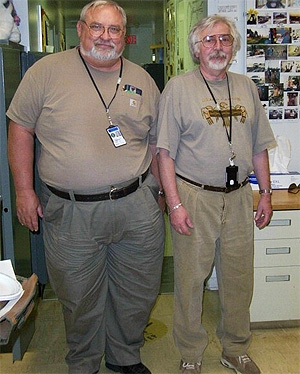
104, 261
222, 234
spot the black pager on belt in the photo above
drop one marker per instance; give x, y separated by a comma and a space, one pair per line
231, 176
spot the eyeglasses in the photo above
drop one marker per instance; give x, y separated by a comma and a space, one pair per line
96, 30
210, 41
293, 188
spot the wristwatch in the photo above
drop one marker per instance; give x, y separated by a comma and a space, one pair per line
161, 193
268, 190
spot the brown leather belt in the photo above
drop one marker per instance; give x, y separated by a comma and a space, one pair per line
215, 189
113, 194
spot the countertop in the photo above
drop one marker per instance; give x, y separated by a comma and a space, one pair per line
281, 200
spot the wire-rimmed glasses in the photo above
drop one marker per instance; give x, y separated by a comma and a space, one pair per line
209, 41
96, 30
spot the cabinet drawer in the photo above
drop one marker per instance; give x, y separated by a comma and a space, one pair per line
277, 252
284, 224
276, 294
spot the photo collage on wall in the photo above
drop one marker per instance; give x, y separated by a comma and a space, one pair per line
273, 56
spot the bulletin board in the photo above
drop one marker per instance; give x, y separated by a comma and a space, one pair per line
273, 56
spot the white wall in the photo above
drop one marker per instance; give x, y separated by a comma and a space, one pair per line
21, 7
140, 52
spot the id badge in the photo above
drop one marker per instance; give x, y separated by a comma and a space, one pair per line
116, 136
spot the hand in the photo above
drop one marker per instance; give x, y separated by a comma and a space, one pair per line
181, 222
162, 203
264, 211
29, 209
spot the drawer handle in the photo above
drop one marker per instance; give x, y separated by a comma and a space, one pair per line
280, 222
278, 251
278, 278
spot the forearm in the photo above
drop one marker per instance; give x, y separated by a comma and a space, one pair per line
21, 156
168, 177
264, 209
154, 165
179, 217
262, 170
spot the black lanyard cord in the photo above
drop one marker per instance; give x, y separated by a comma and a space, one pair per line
97, 89
229, 135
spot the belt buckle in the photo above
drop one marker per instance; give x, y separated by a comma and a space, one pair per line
112, 189
230, 189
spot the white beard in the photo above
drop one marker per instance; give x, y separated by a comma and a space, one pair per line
218, 65
101, 55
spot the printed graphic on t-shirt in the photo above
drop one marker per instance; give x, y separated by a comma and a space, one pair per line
213, 114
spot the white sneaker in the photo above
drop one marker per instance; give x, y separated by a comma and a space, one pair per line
188, 368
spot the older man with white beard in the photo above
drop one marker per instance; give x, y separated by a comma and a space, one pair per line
94, 114
212, 132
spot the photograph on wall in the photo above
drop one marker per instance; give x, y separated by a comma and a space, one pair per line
257, 35
290, 66
280, 35
280, 18
291, 98
255, 51
252, 17
291, 113
293, 3
276, 52
276, 114
294, 50
263, 92
296, 34
295, 17
271, 4
293, 83
255, 66
257, 78
276, 95
264, 18
272, 72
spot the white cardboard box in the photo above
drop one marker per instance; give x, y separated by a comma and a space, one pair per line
279, 181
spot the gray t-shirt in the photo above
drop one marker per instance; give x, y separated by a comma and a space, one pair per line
57, 99
191, 128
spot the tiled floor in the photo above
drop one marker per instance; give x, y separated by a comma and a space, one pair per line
276, 351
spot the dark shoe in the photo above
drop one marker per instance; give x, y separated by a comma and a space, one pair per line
130, 369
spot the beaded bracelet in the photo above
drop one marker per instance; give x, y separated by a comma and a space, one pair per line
174, 208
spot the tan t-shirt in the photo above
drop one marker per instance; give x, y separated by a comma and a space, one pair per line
57, 98
191, 128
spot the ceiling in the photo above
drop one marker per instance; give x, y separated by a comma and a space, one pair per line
138, 11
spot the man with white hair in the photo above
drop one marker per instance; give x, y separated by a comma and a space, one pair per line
212, 132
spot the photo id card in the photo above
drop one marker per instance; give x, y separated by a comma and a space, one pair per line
116, 136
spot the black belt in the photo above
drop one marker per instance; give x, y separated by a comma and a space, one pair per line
113, 194
215, 189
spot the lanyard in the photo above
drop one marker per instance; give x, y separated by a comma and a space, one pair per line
97, 89
229, 134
